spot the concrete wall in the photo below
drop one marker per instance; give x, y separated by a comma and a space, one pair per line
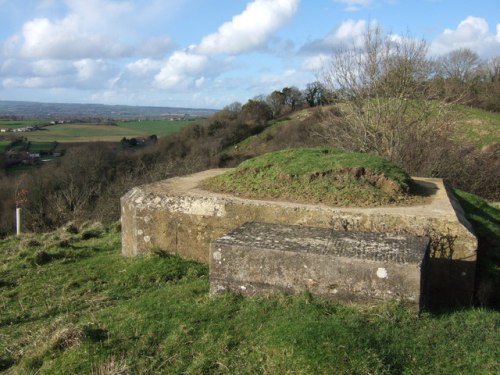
175, 215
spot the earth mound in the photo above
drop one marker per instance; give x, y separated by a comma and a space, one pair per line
318, 175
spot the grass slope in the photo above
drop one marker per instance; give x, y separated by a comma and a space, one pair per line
486, 221
471, 126
477, 126
70, 303
317, 175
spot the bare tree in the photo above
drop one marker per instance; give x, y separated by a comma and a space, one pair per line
384, 107
490, 90
461, 65
492, 68
458, 74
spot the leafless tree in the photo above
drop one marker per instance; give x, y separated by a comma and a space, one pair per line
461, 65
384, 107
458, 74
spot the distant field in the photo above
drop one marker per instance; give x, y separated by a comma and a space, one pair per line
106, 133
33, 146
158, 127
42, 146
13, 124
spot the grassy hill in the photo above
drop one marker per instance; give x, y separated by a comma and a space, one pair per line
70, 303
476, 126
470, 126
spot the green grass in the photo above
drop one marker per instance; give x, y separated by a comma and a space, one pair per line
4, 145
14, 124
32, 146
79, 133
470, 126
317, 175
69, 305
18, 146
42, 146
486, 221
106, 133
256, 144
158, 127
477, 126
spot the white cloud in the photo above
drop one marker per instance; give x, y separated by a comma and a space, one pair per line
267, 82
156, 46
14, 67
144, 67
101, 14
249, 29
199, 82
50, 68
316, 63
91, 70
279, 79
349, 32
67, 39
91, 29
20, 70
33, 82
82, 74
181, 69
10, 46
355, 5
473, 33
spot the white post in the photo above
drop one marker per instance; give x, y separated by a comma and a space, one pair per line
18, 221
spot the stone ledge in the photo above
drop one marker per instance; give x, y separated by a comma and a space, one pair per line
259, 258
384, 247
177, 216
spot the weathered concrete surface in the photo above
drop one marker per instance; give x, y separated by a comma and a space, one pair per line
177, 216
259, 258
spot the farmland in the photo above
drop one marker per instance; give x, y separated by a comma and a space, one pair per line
14, 124
52, 140
94, 132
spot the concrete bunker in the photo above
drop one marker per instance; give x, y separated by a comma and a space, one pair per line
178, 216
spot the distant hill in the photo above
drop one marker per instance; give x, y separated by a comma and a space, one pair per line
63, 111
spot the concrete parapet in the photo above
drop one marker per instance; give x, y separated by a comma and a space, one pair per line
177, 216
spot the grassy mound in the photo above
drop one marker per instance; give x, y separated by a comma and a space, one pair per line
318, 175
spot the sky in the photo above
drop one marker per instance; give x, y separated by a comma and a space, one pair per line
208, 53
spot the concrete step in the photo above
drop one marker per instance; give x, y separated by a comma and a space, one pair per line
261, 258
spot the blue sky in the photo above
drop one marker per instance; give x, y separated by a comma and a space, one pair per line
208, 53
